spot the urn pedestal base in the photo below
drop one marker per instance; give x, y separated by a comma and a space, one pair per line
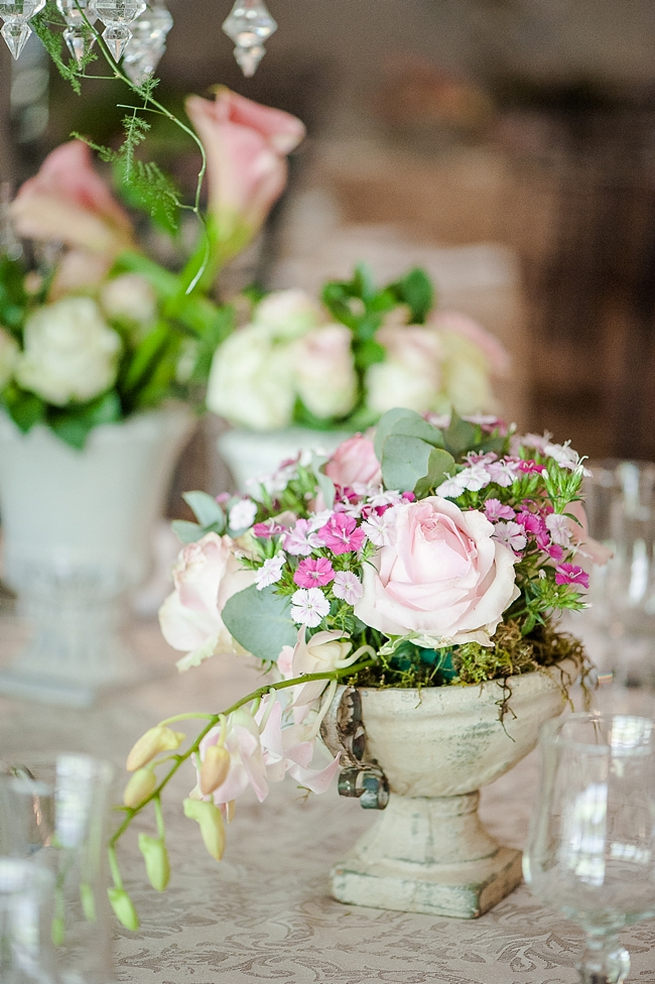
428, 855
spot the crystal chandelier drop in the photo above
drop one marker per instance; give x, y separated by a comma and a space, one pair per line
135, 30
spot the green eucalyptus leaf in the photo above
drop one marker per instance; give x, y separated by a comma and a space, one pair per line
260, 621
401, 422
205, 508
440, 464
187, 532
404, 461
461, 435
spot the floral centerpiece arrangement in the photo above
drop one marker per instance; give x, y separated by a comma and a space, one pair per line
92, 328
342, 360
437, 551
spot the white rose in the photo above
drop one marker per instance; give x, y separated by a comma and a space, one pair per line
70, 352
130, 297
325, 371
8, 356
251, 380
288, 313
410, 376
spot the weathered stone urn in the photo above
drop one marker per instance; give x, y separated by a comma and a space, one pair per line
421, 756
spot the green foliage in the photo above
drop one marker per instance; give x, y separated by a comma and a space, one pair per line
260, 621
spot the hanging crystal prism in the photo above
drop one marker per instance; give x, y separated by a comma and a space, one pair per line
249, 24
148, 42
16, 14
77, 35
116, 15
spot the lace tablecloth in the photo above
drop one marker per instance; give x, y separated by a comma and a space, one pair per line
264, 914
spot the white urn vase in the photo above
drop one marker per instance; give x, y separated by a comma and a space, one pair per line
420, 757
251, 455
77, 529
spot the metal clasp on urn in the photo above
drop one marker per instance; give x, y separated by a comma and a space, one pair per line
343, 729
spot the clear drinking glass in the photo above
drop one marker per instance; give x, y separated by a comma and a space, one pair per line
60, 810
27, 894
620, 506
591, 845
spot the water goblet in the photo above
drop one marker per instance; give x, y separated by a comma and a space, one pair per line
590, 851
27, 893
60, 808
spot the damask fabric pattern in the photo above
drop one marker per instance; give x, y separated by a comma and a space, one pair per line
264, 913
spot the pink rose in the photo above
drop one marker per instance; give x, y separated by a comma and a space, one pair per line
455, 323
205, 575
246, 146
354, 462
68, 202
442, 576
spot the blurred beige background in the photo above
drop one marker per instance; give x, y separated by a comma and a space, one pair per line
504, 145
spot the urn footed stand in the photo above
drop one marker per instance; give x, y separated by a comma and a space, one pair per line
420, 757
77, 535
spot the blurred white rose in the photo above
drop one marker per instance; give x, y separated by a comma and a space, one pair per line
70, 352
8, 356
251, 380
288, 314
326, 380
129, 297
411, 375
467, 376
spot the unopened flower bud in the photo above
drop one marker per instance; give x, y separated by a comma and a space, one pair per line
155, 856
208, 817
123, 907
139, 787
156, 740
214, 768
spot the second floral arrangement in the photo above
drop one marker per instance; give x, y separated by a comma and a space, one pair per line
343, 359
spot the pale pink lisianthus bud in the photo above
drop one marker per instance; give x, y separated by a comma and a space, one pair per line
495, 353
326, 380
354, 463
443, 576
206, 574
410, 375
246, 145
67, 202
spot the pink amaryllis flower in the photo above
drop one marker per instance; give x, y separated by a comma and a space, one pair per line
68, 202
246, 146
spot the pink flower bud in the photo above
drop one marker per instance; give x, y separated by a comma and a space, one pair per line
214, 768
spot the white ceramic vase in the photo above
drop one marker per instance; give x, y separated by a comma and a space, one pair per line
428, 850
251, 455
77, 529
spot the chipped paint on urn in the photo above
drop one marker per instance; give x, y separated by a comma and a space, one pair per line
428, 851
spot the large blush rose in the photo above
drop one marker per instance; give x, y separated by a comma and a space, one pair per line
442, 577
205, 575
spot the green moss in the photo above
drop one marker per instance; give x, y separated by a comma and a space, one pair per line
511, 653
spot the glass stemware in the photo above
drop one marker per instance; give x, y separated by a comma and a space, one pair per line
61, 808
591, 844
